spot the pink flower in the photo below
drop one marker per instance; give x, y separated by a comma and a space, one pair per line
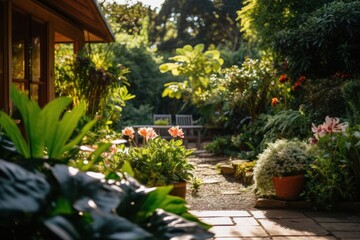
176, 132
319, 131
313, 140
128, 131
334, 125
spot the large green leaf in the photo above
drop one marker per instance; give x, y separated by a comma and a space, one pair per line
14, 134
62, 228
65, 128
51, 114
166, 225
21, 191
86, 191
110, 226
30, 113
80, 135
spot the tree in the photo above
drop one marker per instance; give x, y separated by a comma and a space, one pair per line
261, 20
126, 18
193, 22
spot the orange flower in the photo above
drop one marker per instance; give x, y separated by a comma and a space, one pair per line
176, 132
151, 134
274, 101
283, 78
142, 132
147, 133
128, 131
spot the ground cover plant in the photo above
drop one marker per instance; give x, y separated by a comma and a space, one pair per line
43, 198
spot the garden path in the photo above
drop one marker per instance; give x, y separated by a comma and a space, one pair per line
217, 191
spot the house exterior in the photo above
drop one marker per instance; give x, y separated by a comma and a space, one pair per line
29, 30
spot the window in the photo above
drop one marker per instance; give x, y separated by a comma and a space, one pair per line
28, 51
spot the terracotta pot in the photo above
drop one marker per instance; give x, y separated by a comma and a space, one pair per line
179, 189
289, 188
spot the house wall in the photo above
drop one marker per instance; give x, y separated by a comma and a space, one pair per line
54, 24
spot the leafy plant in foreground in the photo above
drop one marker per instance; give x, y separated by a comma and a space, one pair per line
64, 203
48, 132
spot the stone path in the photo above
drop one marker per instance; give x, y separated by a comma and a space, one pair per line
282, 225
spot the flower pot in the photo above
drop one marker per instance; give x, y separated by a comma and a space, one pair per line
179, 189
290, 187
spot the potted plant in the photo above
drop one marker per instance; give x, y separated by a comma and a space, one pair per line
159, 162
282, 162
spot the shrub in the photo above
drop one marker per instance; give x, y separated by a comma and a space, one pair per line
281, 158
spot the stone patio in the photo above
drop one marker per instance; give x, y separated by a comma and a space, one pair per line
282, 224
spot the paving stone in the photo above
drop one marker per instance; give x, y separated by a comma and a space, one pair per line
221, 213
218, 221
277, 214
238, 231
204, 165
292, 227
305, 238
245, 221
245, 238
341, 227
347, 235
329, 217
231, 192
210, 181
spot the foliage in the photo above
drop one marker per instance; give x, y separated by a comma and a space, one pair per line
319, 98
127, 18
351, 94
261, 21
242, 171
222, 146
248, 140
281, 158
196, 67
193, 22
46, 133
91, 82
64, 203
325, 43
157, 162
196, 184
146, 82
241, 92
163, 122
331, 174
286, 124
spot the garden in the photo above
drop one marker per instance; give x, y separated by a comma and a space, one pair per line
275, 86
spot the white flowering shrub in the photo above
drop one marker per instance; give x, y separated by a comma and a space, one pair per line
281, 158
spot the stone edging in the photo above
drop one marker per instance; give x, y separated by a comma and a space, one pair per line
265, 203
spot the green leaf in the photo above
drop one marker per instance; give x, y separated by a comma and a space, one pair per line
21, 191
110, 226
30, 113
96, 155
80, 136
126, 167
62, 227
14, 134
51, 114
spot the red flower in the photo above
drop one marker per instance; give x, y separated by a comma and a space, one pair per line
296, 86
283, 78
302, 79
274, 101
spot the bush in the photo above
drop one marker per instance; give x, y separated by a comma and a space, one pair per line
281, 158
